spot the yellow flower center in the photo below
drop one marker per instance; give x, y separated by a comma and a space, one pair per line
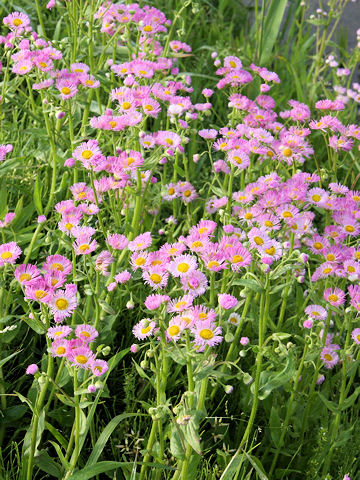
206, 334
173, 330
6, 255
89, 82
17, 22
58, 333
270, 251
327, 270
57, 266
351, 269
82, 359
333, 298
140, 261
65, 90
126, 105
40, 294
112, 124
238, 160
237, 259
328, 357
145, 330
316, 314
316, 198
173, 250
86, 334
248, 216
43, 64
180, 304
155, 277
330, 257
203, 316
287, 152
287, 214
197, 244
60, 350
87, 154
349, 228
318, 245
183, 267
258, 240
149, 108
148, 28
24, 277
84, 247
61, 303
213, 263
69, 226
268, 223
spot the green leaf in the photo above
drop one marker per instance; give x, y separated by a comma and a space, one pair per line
60, 438
63, 461
250, 284
102, 467
47, 464
191, 434
176, 447
105, 435
275, 426
179, 170
34, 325
332, 406
255, 462
37, 196
271, 380
107, 308
6, 359
3, 199
273, 19
349, 402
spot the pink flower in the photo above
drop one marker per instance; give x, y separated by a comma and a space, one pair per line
244, 340
117, 241
84, 245
334, 296
57, 333
99, 367
206, 333
227, 301
329, 357
143, 329
87, 333
123, 277
32, 369
140, 242
308, 323
41, 219
63, 304
355, 334
153, 302
134, 348
9, 253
